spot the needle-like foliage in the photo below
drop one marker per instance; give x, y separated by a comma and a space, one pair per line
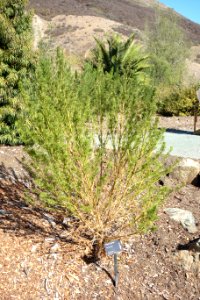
15, 63
95, 149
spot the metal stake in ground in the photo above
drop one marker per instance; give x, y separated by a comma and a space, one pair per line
113, 248
116, 273
196, 108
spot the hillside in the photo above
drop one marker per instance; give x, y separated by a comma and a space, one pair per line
134, 13
73, 25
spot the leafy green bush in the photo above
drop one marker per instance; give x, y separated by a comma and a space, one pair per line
180, 102
16, 62
92, 139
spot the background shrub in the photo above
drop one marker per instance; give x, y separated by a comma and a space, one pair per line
181, 101
168, 49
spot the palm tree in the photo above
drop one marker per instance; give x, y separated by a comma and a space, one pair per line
119, 57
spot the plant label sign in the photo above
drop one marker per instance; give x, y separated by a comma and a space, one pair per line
198, 95
113, 247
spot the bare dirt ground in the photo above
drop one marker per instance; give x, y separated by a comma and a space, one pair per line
40, 259
179, 123
76, 33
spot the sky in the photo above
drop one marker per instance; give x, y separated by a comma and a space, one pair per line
188, 8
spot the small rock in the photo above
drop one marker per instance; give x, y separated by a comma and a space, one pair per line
186, 171
66, 221
34, 248
50, 240
65, 234
184, 217
56, 297
69, 220
189, 261
50, 219
53, 256
4, 212
197, 258
186, 259
55, 248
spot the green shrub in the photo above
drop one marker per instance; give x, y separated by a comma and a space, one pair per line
92, 139
16, 62
180, 102
167, 48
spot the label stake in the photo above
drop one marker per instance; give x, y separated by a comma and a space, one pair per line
116, 273
113, 248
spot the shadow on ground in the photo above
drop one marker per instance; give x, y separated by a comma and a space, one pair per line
178, 131
23, 219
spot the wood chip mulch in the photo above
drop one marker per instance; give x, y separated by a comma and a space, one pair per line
39, 258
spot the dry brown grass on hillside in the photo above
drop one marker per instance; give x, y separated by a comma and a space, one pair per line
127, 12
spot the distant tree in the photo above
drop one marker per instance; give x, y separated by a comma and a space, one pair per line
167, 47
118, 56
15, 63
